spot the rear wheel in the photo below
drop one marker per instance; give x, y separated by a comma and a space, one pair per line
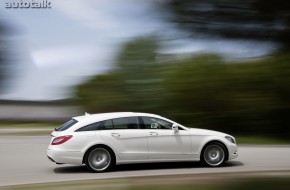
213, 154
100, 159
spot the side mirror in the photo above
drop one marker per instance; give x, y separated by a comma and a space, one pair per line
175, 127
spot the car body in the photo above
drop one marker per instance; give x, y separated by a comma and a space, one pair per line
102, 140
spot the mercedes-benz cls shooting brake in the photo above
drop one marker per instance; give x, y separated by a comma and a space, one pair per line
102, 140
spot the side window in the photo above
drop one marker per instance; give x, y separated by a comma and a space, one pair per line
108, 125
126, 123
155, 123
91, 127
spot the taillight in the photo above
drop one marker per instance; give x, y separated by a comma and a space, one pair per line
61, 139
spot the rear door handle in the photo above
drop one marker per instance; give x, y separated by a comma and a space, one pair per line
115, 134
153, 133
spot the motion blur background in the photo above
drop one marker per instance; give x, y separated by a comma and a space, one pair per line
216, 64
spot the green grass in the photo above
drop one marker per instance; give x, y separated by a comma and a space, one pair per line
261, 140
91, 186
165, 183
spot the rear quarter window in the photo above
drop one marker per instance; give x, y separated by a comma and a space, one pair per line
67, 125
91, 127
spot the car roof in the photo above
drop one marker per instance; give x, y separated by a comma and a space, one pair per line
111, 115
92, 118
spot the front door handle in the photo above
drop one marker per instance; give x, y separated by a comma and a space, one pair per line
151, 133
115, 134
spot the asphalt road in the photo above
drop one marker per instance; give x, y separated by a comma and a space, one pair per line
23, 160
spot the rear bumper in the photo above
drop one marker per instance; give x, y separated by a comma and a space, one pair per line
65, 157
50, 159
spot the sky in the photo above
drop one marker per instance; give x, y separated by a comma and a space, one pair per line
58, 48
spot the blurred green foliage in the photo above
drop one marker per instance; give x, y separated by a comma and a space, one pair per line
242, 98
205, 91
161, 183
255, 19
134, 84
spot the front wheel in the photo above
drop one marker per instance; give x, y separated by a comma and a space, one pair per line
100, 159
213, 155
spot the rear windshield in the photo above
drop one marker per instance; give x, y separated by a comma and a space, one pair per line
67, 125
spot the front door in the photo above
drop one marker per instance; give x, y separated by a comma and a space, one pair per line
165, 143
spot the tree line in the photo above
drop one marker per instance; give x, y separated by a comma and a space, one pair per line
204, 91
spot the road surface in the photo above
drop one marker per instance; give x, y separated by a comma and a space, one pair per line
23, 160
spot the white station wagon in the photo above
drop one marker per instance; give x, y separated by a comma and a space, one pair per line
102, 140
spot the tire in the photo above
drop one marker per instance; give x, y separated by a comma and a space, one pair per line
100, 159
213, 154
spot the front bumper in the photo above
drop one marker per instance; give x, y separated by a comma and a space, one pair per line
233, 156
233, 151
65, 157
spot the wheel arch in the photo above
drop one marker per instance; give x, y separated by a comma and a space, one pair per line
215, 141
95, 146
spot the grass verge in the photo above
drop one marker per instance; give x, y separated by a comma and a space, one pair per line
180, 182
261, 140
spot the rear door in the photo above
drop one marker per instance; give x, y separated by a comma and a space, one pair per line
125, 135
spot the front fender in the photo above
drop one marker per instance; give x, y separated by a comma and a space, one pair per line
199, 142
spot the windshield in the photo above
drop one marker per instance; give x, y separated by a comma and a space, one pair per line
67, 125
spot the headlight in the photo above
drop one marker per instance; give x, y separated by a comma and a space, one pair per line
231, 139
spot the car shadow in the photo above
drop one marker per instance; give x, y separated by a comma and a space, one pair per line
147, 166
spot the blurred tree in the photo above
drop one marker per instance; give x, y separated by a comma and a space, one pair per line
134, 85
103, 93
198, 91
249, 98
257, 19
205, 91
138, 62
